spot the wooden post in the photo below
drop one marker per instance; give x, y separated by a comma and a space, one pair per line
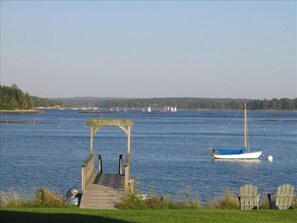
87, 171
127, 172
83, 178
92, 140
100, 166
127, 165
129, 140
131, 185
121, 165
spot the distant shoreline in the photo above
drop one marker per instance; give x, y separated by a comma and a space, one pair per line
29, 111
40, 110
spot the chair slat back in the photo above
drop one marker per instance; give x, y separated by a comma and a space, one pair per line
284, 196
248, 189
249, 197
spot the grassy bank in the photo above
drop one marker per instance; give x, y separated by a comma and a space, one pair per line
47, 206
48, 215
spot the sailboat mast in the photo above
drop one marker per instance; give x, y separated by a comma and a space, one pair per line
245, 127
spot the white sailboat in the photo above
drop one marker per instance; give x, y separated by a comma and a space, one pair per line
149, 109
240, 153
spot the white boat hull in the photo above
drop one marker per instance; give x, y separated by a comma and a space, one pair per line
248, 155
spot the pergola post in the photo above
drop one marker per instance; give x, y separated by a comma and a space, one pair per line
93, 131
91, 140
129, 141
127, 165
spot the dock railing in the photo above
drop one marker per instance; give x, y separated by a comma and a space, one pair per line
87, 171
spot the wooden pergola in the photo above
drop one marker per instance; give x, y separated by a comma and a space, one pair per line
95, 125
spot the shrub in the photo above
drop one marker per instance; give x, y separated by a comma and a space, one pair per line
132, 201
265, 203
42, 198
229, 200
213, 204
186, 199
45, 198
11, 199
159, 202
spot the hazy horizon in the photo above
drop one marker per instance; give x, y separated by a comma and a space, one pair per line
129, 49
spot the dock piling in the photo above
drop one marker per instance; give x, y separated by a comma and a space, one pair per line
121, 164
100, 166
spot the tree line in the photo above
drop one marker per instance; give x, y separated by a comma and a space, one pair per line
274, 104
184, 103
12, 98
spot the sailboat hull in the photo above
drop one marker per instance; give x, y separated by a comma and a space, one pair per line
236, 154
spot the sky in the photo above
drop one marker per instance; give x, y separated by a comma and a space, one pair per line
144, 49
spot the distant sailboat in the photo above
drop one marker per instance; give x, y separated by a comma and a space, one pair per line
241, 153
149, 109
171, 109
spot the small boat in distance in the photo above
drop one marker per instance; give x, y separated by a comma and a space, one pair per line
149, 109
240, 153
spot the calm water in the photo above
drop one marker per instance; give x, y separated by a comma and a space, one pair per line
169, 150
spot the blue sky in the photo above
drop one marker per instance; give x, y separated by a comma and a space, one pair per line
217, 49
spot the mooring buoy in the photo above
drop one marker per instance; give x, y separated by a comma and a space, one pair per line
270, 158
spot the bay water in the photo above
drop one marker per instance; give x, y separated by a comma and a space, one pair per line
169, 150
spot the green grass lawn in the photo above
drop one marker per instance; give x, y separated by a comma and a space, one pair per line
73, 215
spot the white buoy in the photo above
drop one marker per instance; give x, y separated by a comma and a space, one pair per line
270, 158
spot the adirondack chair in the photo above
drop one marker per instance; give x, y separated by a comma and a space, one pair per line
249, 197
283, 198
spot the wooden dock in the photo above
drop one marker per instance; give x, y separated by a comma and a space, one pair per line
104, 192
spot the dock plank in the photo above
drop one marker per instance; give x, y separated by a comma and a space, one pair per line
104, 193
